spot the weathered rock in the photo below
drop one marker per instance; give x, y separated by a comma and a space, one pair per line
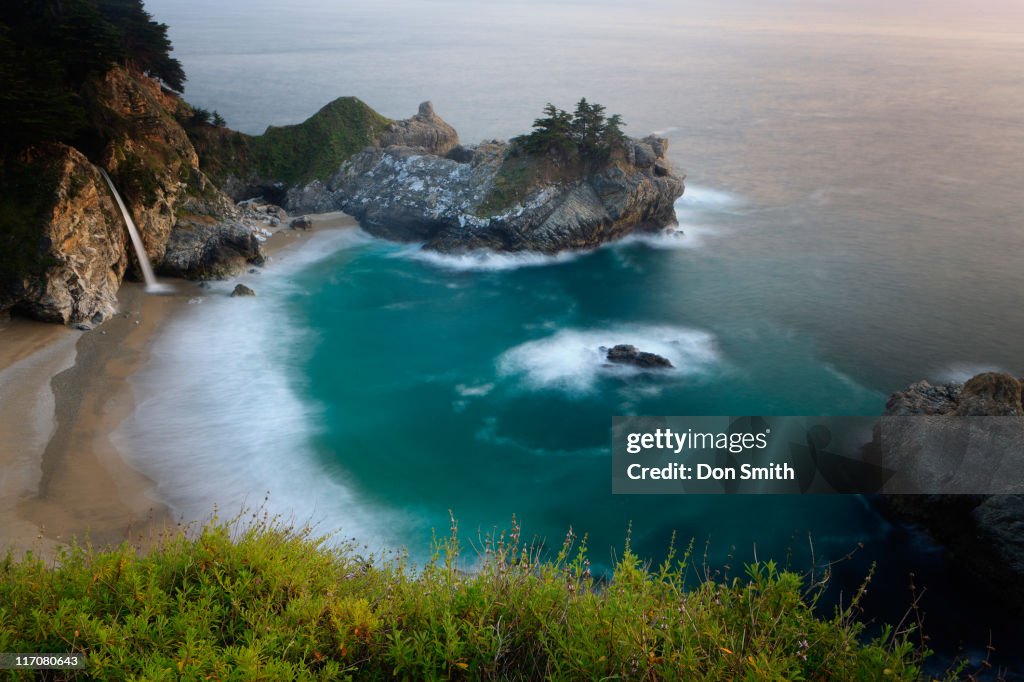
301, 223
983, 533
81, 245
426, 130
242, 290
990, 394
188, 227
625, 354
450, 202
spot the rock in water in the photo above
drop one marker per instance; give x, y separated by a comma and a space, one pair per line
981, 532
242, 290
625, 354
417, 184
301, 223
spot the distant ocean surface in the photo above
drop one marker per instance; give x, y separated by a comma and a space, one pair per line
852, 223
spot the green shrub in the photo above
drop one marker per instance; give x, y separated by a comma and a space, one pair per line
268, 602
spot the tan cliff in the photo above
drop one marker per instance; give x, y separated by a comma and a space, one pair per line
71, 252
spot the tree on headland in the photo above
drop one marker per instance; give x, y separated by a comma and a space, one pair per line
51, 49
586, 131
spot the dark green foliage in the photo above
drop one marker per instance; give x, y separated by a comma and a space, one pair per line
27, 195
144, 42
586, 132
218, 120
200, 116
264, 602
50, 50
313, 149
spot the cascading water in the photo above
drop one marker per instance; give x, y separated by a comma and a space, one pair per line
152, 285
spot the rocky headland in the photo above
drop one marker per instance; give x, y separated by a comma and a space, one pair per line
982, 533
419, 184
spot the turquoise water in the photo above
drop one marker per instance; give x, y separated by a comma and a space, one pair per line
852, 223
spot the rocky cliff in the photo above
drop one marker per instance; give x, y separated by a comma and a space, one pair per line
983, 533
417, 184
67, 238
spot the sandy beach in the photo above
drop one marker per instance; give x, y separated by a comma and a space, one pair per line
62, 394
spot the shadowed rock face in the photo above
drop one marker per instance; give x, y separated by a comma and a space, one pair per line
407, 190
984, 533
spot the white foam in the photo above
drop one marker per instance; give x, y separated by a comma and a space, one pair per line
485, 260
684, 237
467, 391
219, 418
700, 198
318, 246
962, 371
572, 361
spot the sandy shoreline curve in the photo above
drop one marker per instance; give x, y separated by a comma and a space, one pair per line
63, 393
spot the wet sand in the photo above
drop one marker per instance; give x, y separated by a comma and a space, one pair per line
62, 394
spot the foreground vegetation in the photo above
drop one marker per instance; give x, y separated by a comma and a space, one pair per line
267, 602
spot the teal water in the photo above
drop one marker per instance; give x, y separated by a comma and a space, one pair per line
852, 223
480, 388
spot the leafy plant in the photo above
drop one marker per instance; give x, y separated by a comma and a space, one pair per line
264, 601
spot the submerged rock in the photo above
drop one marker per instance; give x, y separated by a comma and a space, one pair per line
242, 290
625, 354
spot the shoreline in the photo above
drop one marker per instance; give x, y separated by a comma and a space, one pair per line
64, 393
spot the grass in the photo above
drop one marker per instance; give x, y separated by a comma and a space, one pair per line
264, 601
295, 154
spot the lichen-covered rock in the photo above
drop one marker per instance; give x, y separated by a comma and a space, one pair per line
81, 244
494, 196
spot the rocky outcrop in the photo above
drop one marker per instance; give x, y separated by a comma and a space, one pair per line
625, 354
426, 130
212, 240
69, 239
495, 195
80, 244
242, 290
983, 533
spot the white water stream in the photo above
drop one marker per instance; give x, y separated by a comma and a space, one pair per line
152, 285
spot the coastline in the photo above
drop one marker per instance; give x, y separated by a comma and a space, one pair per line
63, 393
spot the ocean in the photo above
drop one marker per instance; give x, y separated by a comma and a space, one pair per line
852, 223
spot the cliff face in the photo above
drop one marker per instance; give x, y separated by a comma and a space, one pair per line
68, 236
983, 533
419, 186
80, 256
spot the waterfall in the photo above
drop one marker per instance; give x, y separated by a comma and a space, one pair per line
140, 250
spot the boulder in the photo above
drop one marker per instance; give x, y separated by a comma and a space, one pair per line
242, 290
625, 354
301, 223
